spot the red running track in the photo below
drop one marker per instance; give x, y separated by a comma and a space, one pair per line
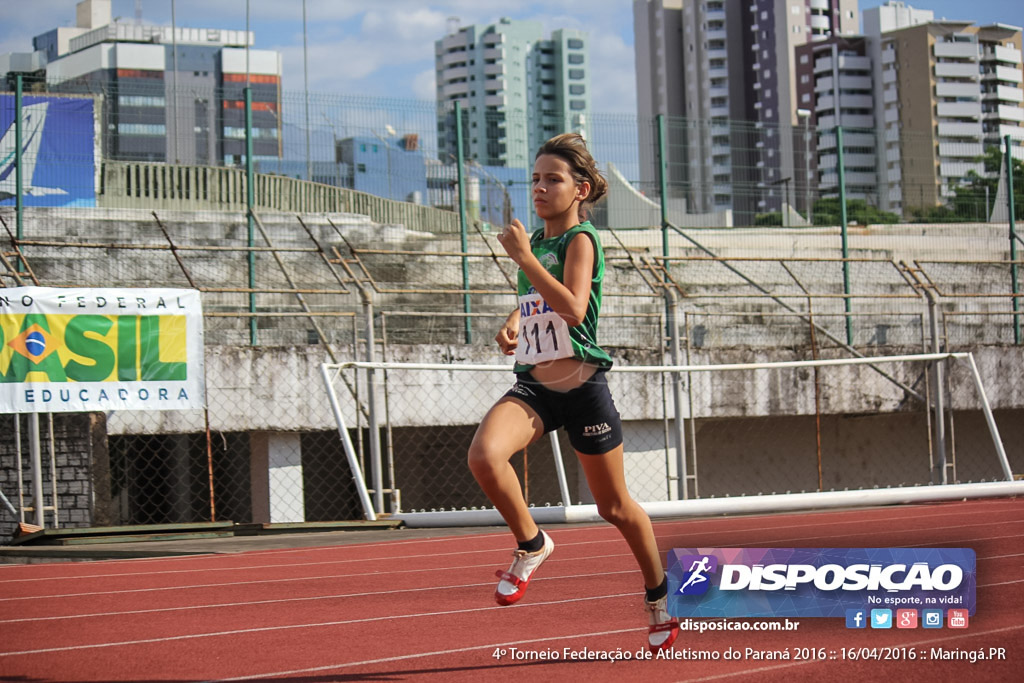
423, 609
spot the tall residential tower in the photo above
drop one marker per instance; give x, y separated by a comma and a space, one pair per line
722, 72
516, 89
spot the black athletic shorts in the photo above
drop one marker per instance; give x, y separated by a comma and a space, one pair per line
587, 412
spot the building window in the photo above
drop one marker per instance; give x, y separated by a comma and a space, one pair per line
145, 129
575, 58
140, 101
576, 74
577, 105
576, 89
575, 44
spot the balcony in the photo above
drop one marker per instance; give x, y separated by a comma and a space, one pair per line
959, 110
1006, 93
1009, 55
854, 63
455, 89
956, 90
1008, 74
858, 139
1008, 112
959, 130
449, 58
454, 40
850, 82
455, 73
960, 169
860, 178
954, 70
960, 150
857, 120
857, 101
957, 50
859, 160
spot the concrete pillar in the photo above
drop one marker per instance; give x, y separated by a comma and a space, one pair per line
276, 476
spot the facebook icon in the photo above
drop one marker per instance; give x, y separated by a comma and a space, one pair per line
856, 618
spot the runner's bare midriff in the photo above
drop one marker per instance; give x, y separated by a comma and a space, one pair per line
564, 374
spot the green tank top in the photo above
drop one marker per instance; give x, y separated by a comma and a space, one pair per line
583, 337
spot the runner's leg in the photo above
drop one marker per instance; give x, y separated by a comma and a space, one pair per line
508, 427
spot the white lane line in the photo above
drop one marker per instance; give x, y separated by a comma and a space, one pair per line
933, 641
503, 536
533, 641
616, 539
336, 596
289, 627
420, 655
801, 539
332, 577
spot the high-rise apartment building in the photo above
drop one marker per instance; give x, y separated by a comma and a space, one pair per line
879, 20
723, 71
835, 89
515, 88
169, 94
949, 90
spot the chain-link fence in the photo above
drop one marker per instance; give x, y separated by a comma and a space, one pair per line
134, 141
268, 447
357, 266
745, 429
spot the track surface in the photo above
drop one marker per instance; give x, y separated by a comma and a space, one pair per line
423, 609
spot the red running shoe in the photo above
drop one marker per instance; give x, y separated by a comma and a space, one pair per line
514, 581
664, 628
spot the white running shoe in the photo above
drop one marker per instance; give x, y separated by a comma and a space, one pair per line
663, 628
514, 581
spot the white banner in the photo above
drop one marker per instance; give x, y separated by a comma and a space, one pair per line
94, 349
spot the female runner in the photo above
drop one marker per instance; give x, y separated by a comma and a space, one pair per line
561, 381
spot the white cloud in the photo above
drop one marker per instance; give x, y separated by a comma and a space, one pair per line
424, 85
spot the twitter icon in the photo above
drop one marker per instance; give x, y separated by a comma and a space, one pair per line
881, 618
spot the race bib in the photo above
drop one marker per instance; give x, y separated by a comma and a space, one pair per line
543, 335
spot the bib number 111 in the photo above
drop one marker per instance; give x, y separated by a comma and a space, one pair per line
543, 335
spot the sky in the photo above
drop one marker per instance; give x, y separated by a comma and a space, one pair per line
385, 48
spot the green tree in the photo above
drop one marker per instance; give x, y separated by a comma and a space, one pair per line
974, 199
827, 210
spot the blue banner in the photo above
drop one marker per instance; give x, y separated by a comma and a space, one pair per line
817, 582
58, 151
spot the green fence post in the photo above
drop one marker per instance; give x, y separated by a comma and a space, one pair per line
463, 231
250, 201
19, 200
663, 184
1014, 282
843, 219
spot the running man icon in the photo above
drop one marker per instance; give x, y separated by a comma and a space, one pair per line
697, 570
